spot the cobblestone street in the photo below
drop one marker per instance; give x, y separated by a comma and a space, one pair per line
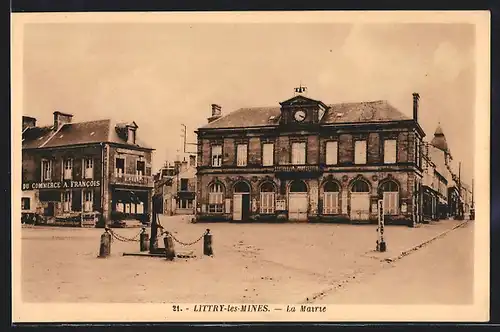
252, 263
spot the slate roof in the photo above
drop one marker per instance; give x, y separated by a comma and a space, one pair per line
373, 111
75, 133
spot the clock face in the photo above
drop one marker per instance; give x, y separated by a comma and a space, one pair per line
300, 116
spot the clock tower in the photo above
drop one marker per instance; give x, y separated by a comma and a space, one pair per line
301, 110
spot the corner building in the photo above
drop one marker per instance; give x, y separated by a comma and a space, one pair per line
311, 161
72, 170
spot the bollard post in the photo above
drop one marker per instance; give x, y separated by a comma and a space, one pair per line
169, 247
105, 246
144, 243
207, 244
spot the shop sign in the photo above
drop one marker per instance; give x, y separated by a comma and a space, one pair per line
66, 184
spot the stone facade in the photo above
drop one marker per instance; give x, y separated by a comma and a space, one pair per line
247, 181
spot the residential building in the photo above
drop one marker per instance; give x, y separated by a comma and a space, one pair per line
176, 186
71, 170
307, 160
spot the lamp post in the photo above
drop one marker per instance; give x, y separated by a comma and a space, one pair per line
381, 245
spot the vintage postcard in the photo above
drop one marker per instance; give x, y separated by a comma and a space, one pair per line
250, 166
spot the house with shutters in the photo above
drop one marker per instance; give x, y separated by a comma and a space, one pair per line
73, 170
307, 160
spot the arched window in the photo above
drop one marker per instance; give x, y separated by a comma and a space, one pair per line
298, 187
390, 195
389, 186
215, 198
360, 186
267, 198
331, 186
331, 198
241, 187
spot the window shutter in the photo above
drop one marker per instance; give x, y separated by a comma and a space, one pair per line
268, 154
360, 152
331, 153
390, 151
242, 154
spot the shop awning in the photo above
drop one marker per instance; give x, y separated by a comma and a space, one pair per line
126, 196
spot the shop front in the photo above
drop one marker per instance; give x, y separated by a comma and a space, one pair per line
130, 204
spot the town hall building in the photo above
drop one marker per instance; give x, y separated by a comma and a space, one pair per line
307, 160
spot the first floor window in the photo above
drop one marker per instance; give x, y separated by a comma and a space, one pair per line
360, 152
46, 170
268, 154
331, 153
25, 203
66, 200
299, 153
89, 167
68, 169
241, 154
216, 155
215, 198
120, 167
88, 201
390, 151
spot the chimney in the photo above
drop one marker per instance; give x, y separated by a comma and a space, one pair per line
416, 98
192, 160
61, 119
216, 113
28, 122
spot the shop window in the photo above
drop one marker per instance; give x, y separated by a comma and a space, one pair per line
215, 198
120, 167
268, 154
68, 169
89, 168
331, 198
139, 208
299, 153
25, 203
390, 151
267, 195
46, 170
241, 155
216, 155
360, 152
120, 207
66, 201
331, 153
390, 196
88, 201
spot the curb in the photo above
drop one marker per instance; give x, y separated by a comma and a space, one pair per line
415, 248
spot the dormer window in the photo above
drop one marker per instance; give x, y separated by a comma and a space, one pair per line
131, 135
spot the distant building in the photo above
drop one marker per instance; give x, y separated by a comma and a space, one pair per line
71, 170
307, 160
176, 185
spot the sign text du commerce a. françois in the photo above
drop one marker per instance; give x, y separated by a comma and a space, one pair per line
67, 184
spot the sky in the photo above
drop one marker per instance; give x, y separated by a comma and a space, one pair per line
162, 75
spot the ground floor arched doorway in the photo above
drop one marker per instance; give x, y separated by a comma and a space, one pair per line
241, 201
360, 200
297, 201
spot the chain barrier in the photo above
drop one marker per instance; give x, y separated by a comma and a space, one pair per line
123, 238
186, 243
